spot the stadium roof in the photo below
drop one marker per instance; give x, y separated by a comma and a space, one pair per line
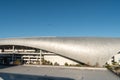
88, 50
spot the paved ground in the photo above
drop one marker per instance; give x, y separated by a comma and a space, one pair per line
55, 73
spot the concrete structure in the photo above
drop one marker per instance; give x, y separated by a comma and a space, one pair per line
92, 51
56, 73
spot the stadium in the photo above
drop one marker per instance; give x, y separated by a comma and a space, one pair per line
92, 51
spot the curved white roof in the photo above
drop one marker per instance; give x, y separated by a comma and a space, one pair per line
87, 50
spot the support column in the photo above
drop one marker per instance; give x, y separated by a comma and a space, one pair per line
29, 60
40, 57
13, 47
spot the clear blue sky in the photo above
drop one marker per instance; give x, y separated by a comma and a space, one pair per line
26, 18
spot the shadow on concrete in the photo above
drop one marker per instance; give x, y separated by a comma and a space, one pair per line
117, 74
11, 76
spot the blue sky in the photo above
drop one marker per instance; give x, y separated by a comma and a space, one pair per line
28, 18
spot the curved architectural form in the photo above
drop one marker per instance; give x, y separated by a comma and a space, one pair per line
88, 50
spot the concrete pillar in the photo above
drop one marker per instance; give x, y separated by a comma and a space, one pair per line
40, 57
13, 47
